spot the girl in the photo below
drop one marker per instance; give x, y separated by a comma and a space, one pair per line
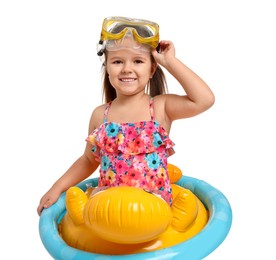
129, 135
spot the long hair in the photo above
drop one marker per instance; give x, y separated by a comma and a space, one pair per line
157, 84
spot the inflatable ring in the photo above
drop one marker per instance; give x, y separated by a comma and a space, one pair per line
198, 247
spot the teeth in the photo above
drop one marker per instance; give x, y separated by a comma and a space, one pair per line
127, 80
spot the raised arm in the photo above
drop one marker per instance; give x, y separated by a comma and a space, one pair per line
197, 97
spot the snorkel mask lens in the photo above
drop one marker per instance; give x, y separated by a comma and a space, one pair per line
143, 33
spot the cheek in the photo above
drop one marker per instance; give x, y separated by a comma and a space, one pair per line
150, 72
112, 75
109, 68
112, 70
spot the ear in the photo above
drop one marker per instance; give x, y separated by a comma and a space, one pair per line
153, 68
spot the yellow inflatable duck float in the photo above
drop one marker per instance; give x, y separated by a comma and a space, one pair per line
128, 220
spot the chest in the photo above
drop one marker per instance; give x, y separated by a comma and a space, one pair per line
130, 115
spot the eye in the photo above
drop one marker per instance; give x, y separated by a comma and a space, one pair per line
117, 62
138, 61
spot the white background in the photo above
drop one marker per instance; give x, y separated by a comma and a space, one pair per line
50, 81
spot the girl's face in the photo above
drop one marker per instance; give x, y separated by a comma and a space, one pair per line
129, 70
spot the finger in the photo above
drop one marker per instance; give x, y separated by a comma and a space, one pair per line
43, 205
48, 203
39, 210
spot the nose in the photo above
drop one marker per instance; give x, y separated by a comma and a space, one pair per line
127, 68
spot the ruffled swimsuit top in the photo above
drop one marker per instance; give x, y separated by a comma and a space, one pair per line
133, 154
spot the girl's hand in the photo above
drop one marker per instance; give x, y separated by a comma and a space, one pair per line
165, 53
47, 200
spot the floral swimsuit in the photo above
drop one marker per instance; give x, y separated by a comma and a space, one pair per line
133, 154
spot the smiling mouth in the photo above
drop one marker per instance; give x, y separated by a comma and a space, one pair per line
127, 80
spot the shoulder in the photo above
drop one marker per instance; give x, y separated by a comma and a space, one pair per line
161, 101
97, 117
160, 113
99, 111
170, 107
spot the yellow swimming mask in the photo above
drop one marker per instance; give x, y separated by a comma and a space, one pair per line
143, 33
